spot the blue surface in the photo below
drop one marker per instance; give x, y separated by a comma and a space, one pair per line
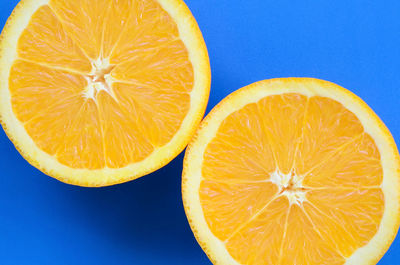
353, 43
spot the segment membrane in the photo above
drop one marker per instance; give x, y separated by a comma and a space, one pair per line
222, 215
158, 113
240, 150
45, 41
148, 27
328, 126
356, 165
259, 242
83, 21
358, 212
282, 117
303, 244
123, 141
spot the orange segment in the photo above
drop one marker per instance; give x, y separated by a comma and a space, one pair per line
123, 142
292, 171
148, 28
355, 165
259, 241
303, 244
83, 20
158, 112
239, 134
36, 88
99, 92
45, 41
332, 231
115, 22
222, 215
49, 127
175, 72
329, 127
82, 145
336, 222
358, 212
283, 111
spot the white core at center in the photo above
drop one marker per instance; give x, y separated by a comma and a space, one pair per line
290, 185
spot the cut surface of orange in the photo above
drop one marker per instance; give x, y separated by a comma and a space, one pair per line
292, 171
99, 92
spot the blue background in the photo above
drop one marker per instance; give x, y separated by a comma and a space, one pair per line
355, 43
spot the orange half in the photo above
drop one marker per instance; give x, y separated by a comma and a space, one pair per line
98, 92
292, 171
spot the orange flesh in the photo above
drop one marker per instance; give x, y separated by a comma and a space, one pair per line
331, 203
101, 83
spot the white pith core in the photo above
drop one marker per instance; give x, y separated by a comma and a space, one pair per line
290, 185
99, 79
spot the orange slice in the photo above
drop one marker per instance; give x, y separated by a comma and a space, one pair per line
292, 171
99, 92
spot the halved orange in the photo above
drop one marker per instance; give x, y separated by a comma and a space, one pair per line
99, 92
292, 171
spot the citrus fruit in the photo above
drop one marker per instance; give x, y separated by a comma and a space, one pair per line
292, 171
98, 92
